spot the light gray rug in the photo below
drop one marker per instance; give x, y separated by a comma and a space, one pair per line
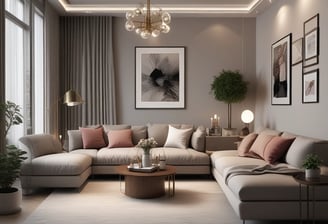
101, 201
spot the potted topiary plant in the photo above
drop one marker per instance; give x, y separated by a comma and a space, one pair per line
311, 164
229, 87
11, 159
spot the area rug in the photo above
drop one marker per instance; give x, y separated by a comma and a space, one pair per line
104, 201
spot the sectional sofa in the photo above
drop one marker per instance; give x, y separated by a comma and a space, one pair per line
99, 149
273, 194
274, 156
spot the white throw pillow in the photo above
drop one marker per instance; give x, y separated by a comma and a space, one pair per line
178, 138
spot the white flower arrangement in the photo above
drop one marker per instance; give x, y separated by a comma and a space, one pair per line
147, 144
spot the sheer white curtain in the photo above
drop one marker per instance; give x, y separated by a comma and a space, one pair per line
86, 65
15, 69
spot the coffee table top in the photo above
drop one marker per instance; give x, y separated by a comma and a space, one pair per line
123, 170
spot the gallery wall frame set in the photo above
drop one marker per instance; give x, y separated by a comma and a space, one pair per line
281, 71
159, 77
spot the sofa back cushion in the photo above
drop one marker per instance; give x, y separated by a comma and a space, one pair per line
40, 144
306, 145
74, 140
120, 138
158, 132
198, 139
138, 132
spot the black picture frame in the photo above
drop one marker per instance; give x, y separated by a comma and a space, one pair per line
310, 86
159, 77
281, 71
311, 34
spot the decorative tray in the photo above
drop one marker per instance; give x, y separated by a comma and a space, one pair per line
143, 169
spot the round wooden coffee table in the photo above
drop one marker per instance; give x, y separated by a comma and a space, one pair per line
148, 185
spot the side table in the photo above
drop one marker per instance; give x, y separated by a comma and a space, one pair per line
217, 143
301, 180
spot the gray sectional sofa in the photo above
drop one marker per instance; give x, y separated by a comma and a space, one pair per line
48, 165
271, 196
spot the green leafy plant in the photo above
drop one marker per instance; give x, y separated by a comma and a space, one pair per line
312, 161
11, 158
229, 87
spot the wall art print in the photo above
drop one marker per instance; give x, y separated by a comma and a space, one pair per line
160, 77
281, 71
311, 86
311, 41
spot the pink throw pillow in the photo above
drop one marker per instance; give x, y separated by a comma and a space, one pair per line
260, 143
246, 144
93, 138
120, 138
276, 148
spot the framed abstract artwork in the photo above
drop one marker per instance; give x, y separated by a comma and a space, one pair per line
281, 71
311, 41
311, 86
297, 51
159, 77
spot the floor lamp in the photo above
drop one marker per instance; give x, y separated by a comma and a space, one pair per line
72, 98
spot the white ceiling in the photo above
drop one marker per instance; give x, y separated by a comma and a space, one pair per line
177, 8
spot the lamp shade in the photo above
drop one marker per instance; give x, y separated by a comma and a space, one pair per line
247, 116
72, 98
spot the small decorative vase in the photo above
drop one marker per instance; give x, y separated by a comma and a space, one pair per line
312, 173
146, 161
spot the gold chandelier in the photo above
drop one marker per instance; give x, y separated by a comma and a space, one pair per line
148, 22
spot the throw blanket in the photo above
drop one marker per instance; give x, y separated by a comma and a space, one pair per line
230, 172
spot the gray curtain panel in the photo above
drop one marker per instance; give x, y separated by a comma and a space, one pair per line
86, 66
2, 71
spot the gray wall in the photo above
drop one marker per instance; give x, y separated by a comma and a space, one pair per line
212, 44
287, 16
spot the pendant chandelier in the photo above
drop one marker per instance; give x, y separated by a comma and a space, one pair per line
148, 22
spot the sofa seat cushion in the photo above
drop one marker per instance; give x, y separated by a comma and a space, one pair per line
271, 187
89, 152
59, 164
117, 156
176, 156
229, 158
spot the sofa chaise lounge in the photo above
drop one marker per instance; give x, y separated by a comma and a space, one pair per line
98, 150
270, 196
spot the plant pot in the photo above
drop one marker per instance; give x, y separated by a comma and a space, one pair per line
10, 202
312, 173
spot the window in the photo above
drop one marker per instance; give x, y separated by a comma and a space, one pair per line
24, 65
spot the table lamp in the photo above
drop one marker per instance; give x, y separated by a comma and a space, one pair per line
247, 117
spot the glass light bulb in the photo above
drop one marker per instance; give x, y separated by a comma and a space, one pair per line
155, 33
138, 11
129, 15
145, 34
165, 28
129, 25
166, 17
138, 30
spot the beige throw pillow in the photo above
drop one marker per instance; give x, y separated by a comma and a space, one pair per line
246, 144
178, 138
260, 143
